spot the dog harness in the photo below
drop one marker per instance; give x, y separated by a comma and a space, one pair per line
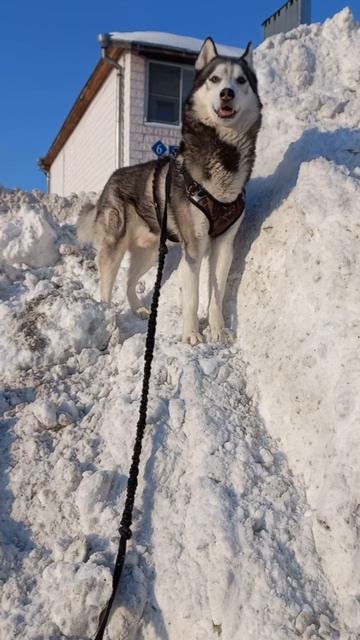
221, 215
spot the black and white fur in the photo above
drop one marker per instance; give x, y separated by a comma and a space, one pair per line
220, 126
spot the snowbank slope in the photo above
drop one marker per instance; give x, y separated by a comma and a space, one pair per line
298, 312
247, 515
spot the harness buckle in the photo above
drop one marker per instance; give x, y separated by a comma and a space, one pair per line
192, 188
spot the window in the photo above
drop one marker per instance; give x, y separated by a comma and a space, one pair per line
168, 87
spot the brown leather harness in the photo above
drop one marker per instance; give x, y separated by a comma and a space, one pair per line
221, 215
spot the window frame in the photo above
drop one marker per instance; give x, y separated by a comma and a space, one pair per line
187, 67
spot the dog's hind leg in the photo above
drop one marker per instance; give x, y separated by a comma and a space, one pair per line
141, 260
110, 257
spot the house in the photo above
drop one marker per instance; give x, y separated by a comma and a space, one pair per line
290, 15
129, 110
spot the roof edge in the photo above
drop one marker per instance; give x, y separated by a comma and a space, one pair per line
139, 44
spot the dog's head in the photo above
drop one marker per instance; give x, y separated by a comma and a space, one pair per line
225, 90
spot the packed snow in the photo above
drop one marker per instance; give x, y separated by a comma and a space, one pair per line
247, 515
170, 41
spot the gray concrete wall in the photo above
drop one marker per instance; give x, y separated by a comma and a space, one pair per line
289, 16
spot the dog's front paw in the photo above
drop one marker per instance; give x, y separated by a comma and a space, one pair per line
193, 338
222, 335
143, 313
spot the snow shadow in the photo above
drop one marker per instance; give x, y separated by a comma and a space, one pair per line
265, 194
144, 529
15, 538
12, 397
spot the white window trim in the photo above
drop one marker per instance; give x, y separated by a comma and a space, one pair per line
152, 123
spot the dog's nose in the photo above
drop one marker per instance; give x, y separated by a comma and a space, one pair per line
227, 94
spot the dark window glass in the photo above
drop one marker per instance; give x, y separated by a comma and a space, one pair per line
164, 93
167, 86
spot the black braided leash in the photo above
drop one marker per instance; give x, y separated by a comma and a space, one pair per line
126, 520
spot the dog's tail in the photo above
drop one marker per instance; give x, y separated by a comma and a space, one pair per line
85, 225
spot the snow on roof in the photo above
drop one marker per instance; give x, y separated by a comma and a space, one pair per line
171, 41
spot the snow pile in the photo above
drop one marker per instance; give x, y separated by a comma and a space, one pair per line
247, 513
28, 238
302, 275
58, 208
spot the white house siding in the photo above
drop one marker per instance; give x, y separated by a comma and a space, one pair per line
89, 155
138, 136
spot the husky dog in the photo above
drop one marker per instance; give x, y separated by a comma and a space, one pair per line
222, 117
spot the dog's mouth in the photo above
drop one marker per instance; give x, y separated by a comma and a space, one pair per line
225, 111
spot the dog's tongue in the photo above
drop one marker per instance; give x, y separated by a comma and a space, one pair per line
225, 112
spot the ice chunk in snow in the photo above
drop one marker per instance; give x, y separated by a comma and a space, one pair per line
70, 589
28, 238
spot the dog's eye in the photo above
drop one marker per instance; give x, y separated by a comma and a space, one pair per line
241, 80
214, 79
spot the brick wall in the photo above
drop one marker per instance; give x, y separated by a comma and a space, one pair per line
138, 135
89, 155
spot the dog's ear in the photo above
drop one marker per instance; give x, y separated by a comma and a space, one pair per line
248, 55
207, 53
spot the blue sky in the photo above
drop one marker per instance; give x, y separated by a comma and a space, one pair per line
49, 48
